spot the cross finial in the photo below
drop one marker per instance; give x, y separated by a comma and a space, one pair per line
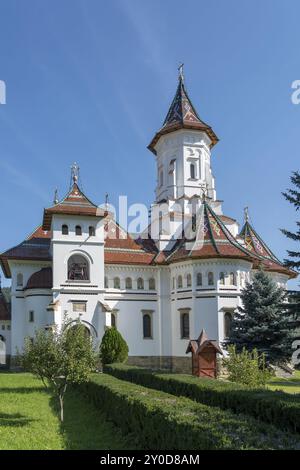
106, 200
75, 173
180, 70
204, 192
55, 200
246, 213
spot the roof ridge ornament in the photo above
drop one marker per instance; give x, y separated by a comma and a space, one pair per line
75, 173
180, 72
55, 199
246, 214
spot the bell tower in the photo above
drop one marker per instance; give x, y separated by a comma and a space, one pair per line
182, 148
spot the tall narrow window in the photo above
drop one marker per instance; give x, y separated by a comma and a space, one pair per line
199, 279
92, 231
189, 280
117, 283
151, 283
227, 324
147, 325
185, 325
128, 283
78, 230
222, 279
140, 283
179, 282
161, 178
194, 222
192, 171
173, 283
210, 278
20, 280
105, 282
113, 320
65, 230
31, 316
232, 280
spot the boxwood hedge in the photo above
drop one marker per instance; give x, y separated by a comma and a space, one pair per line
273, 407
163, 421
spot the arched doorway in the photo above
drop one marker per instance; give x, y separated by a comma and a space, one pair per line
2, 351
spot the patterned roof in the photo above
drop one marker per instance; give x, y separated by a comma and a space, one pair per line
182, 115
40, 280
212, 240
267, 259
75, 203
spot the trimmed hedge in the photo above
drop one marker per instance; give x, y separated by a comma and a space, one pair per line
164, 422
273, 407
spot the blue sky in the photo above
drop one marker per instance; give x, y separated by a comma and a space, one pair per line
91, 81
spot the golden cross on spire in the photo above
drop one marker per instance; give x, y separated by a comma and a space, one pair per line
246, 213
75, 172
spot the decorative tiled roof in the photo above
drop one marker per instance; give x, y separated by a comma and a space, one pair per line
267, 259
75, 203
182, 115
212, 240
40, 280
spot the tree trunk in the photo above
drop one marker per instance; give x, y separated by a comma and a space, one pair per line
61, 402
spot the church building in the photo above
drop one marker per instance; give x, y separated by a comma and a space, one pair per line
183, 274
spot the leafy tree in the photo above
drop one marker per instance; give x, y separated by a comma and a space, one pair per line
264, 322
113, 347
293, 196
247, 368
60, 357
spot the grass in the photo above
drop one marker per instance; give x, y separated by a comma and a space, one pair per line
289, 385
29, 419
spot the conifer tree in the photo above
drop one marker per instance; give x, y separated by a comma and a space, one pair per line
264, 322
293, 196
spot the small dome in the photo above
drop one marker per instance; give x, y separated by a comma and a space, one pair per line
40, 280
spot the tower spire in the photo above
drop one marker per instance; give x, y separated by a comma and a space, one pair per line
180, 72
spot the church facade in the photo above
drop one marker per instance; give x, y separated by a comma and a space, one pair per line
184, 273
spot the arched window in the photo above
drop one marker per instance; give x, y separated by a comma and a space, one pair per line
192, 171
227, 324
232, 279
199, 279
128, 283
147, 325
19, 280
179, 282
65, 230
185, 325
140, 283
79, 326
189, 280
151, 283
78, 230
105, 282
113, 320
92, 231
78, 268
222, 279
117, 283
210, 278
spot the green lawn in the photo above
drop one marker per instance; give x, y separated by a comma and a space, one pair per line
29, 419
290, 385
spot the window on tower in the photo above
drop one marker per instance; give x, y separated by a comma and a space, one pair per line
192, 171
184, 325
92, 231
65, 230
78, 268
161, 178
78, 230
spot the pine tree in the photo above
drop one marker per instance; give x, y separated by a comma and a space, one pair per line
113, 347
264, 323
293, 196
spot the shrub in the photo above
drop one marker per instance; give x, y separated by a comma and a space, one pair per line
113, 347
247, 368
162, 421
277, 408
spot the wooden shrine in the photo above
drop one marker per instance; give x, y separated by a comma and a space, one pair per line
204, 356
